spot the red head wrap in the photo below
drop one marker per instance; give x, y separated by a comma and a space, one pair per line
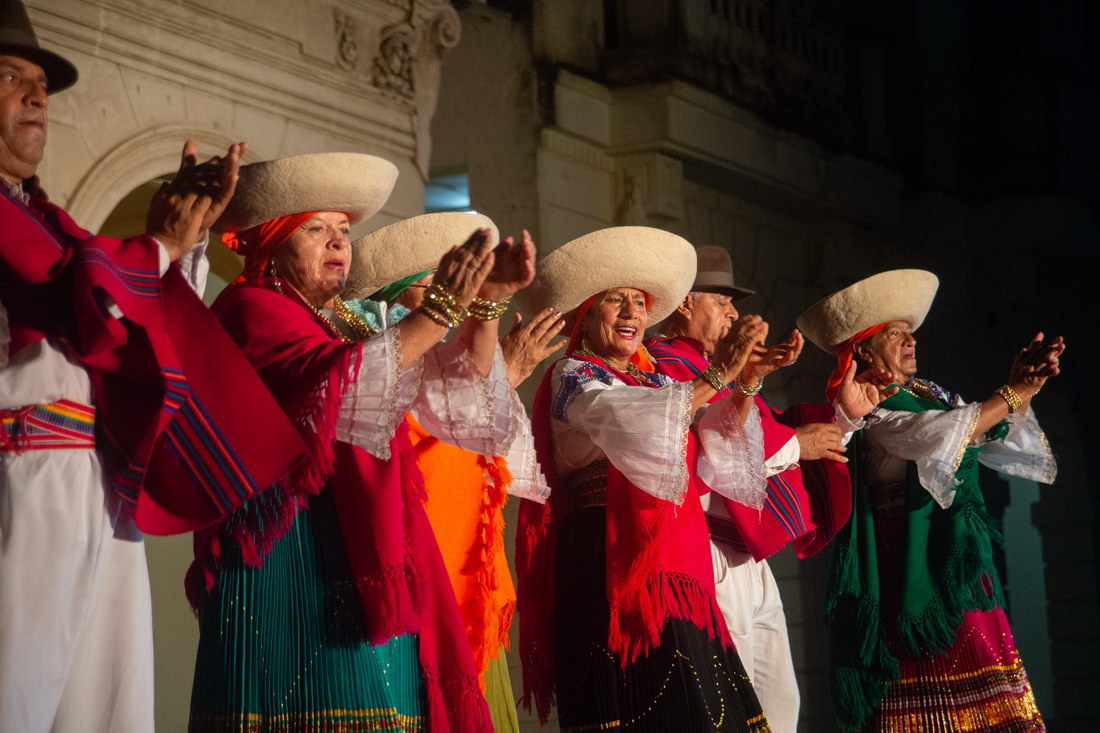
845, 357
640, 358
259, 243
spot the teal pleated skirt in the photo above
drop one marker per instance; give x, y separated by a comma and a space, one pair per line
280, 647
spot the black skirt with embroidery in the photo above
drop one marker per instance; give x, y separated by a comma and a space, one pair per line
689, 683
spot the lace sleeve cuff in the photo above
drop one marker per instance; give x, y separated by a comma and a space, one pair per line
528, 481
935, 441
1024, 452
731, 456
376, 401
459, 406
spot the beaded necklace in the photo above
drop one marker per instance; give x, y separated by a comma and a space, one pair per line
360, 331
631, 368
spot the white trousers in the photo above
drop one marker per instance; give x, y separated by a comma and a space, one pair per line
76, 637
750, 603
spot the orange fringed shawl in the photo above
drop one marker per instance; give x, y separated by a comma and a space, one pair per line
466, 494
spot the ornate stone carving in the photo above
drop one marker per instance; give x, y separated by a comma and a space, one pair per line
347, 39
393, 68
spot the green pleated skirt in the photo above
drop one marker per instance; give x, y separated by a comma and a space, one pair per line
280, 647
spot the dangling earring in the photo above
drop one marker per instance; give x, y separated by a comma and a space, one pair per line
274, 275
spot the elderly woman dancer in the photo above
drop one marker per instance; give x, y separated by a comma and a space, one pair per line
465, 491
617, 610
920, 637
324, 602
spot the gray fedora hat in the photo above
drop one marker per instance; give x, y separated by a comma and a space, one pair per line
17, 38
715, 273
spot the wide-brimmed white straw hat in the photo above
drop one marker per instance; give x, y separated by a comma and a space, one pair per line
409, 246
895, 295
657, 262
354, 183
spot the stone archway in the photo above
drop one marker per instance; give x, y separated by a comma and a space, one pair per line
137, 161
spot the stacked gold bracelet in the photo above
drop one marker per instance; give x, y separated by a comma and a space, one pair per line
714, 378
750, 391
1009, 395
488, 310
441, 306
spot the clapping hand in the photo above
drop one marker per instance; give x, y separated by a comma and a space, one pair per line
1036, 362
527, 344
513, 269
463, 270
858, 395
188, 205
764, 359
733, 352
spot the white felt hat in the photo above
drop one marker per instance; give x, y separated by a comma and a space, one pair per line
353, 183
895, 295
657, 262
409, 246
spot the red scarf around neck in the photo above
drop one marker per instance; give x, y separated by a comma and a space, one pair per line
658, 561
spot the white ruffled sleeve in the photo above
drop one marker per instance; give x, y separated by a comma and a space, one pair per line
5, 336
528, 481
935, 440
460, 406
375, 403
1024, 452
641, 430
731, 455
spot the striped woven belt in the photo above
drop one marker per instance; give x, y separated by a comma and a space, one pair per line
587, 487
61, 425
722, 530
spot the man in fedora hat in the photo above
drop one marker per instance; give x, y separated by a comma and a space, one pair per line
809, 493
118, 413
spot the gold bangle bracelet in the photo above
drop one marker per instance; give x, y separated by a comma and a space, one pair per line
713, 378
437, 316
750, 391
1009, 395
488, 310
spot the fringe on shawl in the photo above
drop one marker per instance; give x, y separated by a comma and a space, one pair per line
455, 705
489, 631
265, 518
650, 598
535, 549
859, 683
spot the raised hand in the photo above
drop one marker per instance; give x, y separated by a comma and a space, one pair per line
820, 440
1034, 364
733, 352
188, 205
766, 359
858, 395
527, 344
513, 269
462, 270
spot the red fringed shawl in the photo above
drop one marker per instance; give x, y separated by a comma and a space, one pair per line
805, 506
185, 430
658, 561
402, 582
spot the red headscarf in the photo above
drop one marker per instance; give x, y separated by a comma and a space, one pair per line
845, 357
257, 244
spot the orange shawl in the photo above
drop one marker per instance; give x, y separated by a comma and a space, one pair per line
466, 494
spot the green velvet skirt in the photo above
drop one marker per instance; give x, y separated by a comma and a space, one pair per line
280, 647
